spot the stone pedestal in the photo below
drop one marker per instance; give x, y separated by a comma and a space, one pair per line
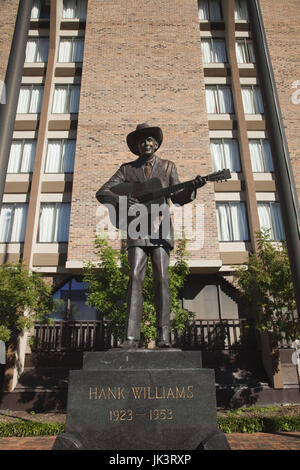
142, 400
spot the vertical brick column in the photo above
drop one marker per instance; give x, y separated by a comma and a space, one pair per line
142, 63
228, 10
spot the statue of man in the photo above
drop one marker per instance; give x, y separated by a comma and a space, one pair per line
144, 142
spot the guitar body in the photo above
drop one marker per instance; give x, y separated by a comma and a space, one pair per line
139, 190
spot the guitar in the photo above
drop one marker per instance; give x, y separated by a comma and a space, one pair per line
152, 192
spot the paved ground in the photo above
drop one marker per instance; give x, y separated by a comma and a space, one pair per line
256, 441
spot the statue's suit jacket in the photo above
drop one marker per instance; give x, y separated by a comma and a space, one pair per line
132, 172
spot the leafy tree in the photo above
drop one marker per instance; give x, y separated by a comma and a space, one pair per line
24, 298
267, 289
107, 289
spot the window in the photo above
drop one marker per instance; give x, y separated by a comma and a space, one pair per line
225, 154
241, 10
70, 50
244, 51
30, 99
21, 158
66, 99
60, 156
213, 50
219, 99
209, 10
72, 302
74, 9
270, 218
40, 9
54, 222
261, 156
37, 50
232, 221
13, 223
252, 100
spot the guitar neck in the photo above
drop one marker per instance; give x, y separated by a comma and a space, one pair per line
165, 192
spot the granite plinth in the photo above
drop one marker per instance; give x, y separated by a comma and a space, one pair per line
142, 400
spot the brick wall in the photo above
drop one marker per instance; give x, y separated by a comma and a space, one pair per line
8, 9
142, 63
282, 24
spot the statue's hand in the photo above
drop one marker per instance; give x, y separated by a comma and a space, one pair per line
199, 181
131, 201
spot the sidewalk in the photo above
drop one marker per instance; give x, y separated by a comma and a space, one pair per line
256, 441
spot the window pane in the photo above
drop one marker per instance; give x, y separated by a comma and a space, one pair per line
47, 221
36, 100
43, 50
53, 161
62, 223
256, 155
248, 100
223, 220
69, 154
225, 154
65, 50
241, 11
31, 49
220, 51
24, 99
15, 157
209, 10
19, 223
232, 221
225, 100
278, 224
29, 149
6, 218
74, 99
60, 100
35, 12
78, 50
268, 156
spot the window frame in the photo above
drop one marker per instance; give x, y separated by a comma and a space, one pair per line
75, 17
209, 10
222, 140
246, 42
217, 87
68, 97
213, 51
273, 225
32, 86
229, 203
62, 156
14, 204
56, 204
73, 39
23, 142
257, 110
261, 141
38, 40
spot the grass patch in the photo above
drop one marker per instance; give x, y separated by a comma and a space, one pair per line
250, 424
22, 428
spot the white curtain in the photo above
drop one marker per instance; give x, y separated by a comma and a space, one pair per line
259, 101
36, 99
251, 52
240, 11
47, 221
209, 10
15, 155
31, 48
54, 222
225, 100
220, 50
13, 223
53, 161
241, 52
65, 50
29, 149
239, 221
232, 222
74, 99
252, 100
74, 9
35, 12
206, 51
24, 99
261, 156
69, 154
225, 154
270, 218
62, 223
211, 99
223, 220
19, 223
60, 100
6, 217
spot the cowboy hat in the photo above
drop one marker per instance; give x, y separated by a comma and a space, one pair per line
142, 130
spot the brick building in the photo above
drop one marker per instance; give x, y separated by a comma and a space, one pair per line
92, 71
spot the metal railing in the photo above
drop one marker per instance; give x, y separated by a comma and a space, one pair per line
97, 336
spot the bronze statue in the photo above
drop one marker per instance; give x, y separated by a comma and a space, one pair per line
147, 171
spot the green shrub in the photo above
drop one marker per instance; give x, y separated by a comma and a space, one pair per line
251, 424
30, 428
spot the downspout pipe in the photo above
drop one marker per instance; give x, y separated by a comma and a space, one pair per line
282, 165
12, 82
